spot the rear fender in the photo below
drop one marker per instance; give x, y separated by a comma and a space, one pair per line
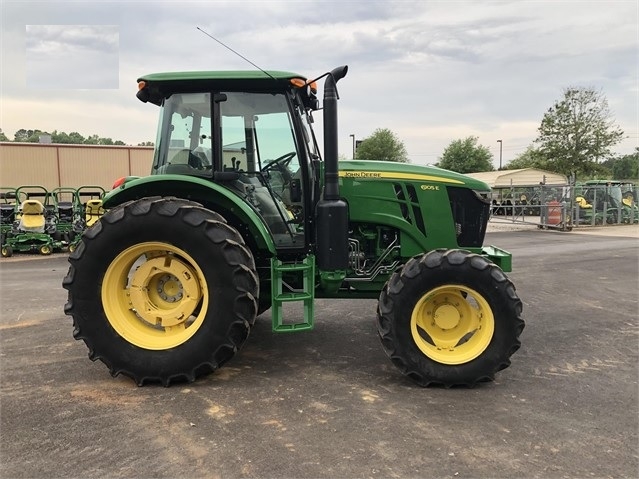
211, 195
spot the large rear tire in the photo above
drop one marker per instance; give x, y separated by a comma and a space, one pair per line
162, 290
449, 317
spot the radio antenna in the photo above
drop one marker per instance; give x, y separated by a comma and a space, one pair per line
239, 55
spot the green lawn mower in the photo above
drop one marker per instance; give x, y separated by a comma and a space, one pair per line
30, 232
88, 210
67, 204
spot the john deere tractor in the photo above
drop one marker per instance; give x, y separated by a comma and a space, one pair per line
240, 214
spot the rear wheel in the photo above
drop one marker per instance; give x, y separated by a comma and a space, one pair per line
449, 317
178, 290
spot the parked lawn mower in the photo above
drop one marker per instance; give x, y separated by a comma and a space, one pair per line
29, 231
89, 210
8, 208
67, 205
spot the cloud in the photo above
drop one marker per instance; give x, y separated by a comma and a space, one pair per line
72, 56
49, 39
432, 72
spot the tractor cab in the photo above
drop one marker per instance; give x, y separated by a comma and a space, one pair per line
257, 144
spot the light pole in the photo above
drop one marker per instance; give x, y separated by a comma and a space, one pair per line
353, 137
500, 145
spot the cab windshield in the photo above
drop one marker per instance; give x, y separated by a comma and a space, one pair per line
253, 137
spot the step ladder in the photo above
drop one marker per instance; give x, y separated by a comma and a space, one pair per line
282, 293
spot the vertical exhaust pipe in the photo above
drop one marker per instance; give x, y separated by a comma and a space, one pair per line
331, 179
331, 211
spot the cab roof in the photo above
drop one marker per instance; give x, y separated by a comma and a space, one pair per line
161, 85
221, 75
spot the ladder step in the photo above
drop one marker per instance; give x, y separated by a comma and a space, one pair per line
286, 267
292, 297
296, 272
291, 328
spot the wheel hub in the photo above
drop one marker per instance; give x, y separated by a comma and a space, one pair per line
446, 316
169, 288
164, 291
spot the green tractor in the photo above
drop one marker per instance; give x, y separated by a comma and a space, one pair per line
630, 201
240, 214
606, 201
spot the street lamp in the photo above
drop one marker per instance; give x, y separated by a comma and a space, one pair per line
500, 145
353, 137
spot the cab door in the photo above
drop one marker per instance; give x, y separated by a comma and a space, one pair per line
259, 141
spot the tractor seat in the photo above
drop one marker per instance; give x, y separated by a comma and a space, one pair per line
7, 214
32, 219
92, 211
65, 211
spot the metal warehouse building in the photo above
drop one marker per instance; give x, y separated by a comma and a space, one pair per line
55, 165
523, 177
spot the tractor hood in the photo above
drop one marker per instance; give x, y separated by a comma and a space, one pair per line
402, 171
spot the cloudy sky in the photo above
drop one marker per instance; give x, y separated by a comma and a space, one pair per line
431, 71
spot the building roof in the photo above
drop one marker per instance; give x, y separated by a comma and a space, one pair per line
521, 177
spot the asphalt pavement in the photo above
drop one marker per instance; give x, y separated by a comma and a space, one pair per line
328, 403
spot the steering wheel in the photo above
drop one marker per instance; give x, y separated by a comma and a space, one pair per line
280, 162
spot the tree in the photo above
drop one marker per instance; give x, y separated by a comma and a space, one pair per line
531, 158
383, 144
28, 136
466, 156
624, 167
60, 137
21, 135
578, 132
33, 136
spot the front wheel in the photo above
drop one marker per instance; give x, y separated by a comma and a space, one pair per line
449, 317
162, 290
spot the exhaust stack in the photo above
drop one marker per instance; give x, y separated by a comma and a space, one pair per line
332, 212
331, 180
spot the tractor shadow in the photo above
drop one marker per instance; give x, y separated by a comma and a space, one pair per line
343, 343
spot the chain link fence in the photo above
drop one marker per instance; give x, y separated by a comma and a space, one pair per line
564, 207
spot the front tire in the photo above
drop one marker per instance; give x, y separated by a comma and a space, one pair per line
449, 317
162, 290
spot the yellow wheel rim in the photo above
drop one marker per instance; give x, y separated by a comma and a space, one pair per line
154, 295
452, 324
